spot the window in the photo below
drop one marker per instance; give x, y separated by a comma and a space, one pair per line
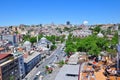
21, 69
21, 59
20, 62
72, 75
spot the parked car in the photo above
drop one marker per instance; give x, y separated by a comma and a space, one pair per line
38, 73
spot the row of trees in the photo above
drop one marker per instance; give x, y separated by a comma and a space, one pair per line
91, 44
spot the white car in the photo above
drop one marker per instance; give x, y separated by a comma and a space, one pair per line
38, 73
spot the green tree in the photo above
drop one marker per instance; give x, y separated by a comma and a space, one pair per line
53, 47
11, 77
109, 31
97, 29
26, 37
66, 29
94, 50
61, 63
33, 40
40, 36
51, 38
91, 44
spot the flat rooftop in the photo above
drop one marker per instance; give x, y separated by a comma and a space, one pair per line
30, 57
68, 69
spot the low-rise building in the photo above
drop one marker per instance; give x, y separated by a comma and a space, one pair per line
68, 72
30, 60
74, 59
71, 70
14, 39
81, 33
43, 43
2, 49
100, 35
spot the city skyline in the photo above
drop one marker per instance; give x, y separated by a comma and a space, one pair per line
15, 12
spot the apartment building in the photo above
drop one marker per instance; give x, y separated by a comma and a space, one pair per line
19, 55
9, 69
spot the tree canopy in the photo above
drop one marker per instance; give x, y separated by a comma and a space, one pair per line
91, 44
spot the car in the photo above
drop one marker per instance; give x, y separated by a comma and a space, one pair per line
37, 65
38, 73
36, 78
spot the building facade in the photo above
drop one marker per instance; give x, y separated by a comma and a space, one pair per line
44, 43
19, 55
31, 60
9, 69
12, 38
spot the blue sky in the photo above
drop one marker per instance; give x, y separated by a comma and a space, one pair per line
15, 12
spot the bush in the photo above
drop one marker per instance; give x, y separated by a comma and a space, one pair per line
53, 47
61, 63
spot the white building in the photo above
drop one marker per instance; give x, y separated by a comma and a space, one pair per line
82, 33
27, 45
100, 35
68, 72
44, 44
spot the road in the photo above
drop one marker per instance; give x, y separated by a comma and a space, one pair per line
49, 60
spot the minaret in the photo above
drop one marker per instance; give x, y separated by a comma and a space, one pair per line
37, 37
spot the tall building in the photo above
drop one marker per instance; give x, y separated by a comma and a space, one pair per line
9, 69
68, 23
19, 55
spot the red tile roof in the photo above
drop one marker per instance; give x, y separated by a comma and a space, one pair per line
2, 56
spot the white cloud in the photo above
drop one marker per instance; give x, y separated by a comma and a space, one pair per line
85, 22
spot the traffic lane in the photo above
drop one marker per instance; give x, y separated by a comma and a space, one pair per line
32, 73
48, 61
58, 51
41, 67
